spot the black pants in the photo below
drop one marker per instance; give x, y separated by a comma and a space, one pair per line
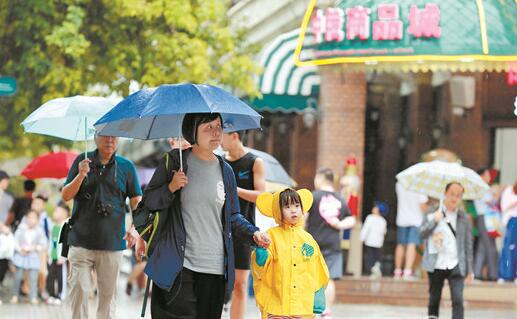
436, 280
372, 255
4, 266
193, 296
55, 277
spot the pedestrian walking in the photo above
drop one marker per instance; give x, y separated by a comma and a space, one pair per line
99, 185
289, 278
372, 235
448, 251
192, 264
30, 240
328, 216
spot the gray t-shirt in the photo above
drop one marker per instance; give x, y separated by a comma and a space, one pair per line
202, 200
6, 201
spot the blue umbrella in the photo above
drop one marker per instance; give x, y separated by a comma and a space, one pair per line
158, 112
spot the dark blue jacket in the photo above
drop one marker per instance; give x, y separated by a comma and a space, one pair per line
166, 260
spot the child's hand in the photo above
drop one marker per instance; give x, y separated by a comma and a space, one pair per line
261, 239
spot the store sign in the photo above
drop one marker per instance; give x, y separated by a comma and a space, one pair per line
408, 31
7, 85
329, 25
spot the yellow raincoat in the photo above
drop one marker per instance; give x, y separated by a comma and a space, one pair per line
294, 270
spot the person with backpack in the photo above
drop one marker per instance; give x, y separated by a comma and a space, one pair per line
191, 260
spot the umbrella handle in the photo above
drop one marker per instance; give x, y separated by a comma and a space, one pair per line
85, 137
181, 151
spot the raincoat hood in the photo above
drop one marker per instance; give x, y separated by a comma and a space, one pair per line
269, 204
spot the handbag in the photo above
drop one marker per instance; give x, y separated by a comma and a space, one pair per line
63, 237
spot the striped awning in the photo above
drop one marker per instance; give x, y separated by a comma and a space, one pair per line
284, 86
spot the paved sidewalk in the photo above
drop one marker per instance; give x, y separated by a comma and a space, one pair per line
129, 307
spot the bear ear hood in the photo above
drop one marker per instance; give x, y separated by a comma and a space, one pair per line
269, 203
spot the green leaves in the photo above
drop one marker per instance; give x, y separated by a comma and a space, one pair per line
62, 48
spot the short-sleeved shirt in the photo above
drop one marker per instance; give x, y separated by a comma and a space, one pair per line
409, 212
104, 189
326, 206
202, 201
6, 202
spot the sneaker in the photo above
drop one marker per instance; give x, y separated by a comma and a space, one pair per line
57, 302
500, 281
34, 301
397, 273
376, 271
50, 301
326, 314
14, 300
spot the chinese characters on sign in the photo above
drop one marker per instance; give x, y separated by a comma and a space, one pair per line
329, 25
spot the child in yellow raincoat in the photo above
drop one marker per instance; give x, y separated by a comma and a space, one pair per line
289, 278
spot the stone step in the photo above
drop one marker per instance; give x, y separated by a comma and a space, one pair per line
415, 293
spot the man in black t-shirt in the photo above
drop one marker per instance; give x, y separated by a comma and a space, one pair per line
328, 216
250, 176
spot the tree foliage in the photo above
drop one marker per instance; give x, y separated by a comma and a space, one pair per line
57, 48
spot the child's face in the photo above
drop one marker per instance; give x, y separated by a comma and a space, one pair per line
38, 205
375, 210
59, 214
291, 213
32, 219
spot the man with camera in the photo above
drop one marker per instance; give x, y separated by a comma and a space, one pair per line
99, 185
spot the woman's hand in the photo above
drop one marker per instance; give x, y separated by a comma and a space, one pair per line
179, 180
262, 239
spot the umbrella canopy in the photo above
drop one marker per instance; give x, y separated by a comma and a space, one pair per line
276, 175
50, 165
69, 118
158, 112
431, 178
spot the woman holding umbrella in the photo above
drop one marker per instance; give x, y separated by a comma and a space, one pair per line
192, 265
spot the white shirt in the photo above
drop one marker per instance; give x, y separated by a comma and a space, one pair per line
448, 251
373, 231
409, 212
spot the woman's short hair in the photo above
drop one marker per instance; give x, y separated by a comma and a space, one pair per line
191, 122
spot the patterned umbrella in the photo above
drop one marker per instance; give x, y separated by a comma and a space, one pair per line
431, 178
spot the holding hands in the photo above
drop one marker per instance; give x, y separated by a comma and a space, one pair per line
262, 239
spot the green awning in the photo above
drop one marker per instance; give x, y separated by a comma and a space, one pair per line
285, 103
284, 86
464, 35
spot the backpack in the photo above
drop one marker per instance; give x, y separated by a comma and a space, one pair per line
146, 221
148, 224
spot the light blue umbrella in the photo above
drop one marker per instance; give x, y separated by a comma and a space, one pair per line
69, 118
158, 112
